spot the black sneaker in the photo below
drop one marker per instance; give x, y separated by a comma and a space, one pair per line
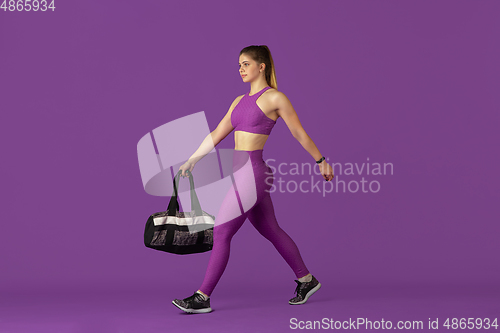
193, 304
304, 290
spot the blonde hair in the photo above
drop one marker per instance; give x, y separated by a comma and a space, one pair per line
262, 54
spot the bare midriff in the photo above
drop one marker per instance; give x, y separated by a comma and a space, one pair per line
249, 141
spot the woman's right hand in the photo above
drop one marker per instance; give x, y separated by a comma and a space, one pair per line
186, 166
326, 170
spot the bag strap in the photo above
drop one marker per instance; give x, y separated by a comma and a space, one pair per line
173, 206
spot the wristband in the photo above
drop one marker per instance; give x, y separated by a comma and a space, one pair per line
320, 160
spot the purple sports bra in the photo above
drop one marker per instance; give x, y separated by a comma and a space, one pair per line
248, 117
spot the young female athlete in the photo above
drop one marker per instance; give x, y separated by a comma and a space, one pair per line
253, 116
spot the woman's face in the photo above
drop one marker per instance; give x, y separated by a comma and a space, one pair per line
249, 70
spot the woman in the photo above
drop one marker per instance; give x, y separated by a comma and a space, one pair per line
253, 116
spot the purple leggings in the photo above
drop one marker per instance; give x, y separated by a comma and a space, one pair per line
253, 179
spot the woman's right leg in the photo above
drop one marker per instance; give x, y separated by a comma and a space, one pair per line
227, 222
223, 233
219, 257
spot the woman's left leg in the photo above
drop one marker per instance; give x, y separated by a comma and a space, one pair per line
264, 220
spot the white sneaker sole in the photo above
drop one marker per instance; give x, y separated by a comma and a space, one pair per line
309, 294
205, 310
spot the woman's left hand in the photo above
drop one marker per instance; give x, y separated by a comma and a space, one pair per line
326, 170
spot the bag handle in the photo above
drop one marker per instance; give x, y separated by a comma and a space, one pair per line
173, 206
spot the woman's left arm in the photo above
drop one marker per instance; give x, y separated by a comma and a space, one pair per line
286, 111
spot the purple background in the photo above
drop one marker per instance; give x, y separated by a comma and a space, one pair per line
412, 83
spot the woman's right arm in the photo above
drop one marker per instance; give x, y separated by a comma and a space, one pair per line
211, 140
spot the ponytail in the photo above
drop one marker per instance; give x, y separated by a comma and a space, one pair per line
262, 54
